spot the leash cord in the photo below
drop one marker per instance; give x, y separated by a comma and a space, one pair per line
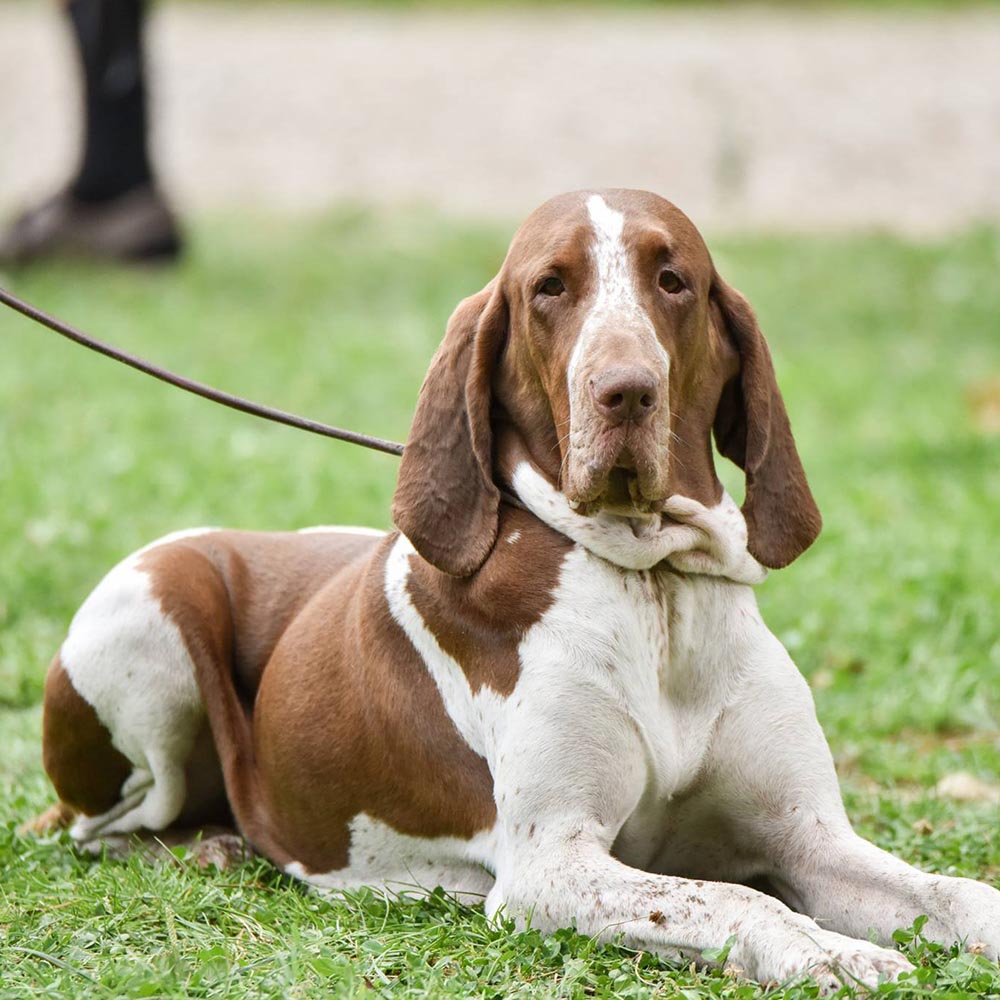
209, 392
198, 388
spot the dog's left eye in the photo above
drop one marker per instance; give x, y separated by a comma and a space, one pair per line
552, 287
671, 281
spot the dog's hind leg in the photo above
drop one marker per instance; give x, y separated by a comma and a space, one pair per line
122, 711
151, 799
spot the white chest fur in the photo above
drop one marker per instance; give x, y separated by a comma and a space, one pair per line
641, 653
622, 681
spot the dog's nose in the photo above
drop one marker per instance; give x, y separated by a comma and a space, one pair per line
626, 393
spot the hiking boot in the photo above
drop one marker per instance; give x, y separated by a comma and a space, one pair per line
136, 226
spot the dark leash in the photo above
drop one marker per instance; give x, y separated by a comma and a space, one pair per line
189, 385
207, 391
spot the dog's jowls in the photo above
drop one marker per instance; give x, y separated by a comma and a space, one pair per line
574, 710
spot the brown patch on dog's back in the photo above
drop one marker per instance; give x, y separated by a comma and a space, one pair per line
80, 760
255, 583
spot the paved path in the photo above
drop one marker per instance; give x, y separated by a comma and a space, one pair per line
745, 118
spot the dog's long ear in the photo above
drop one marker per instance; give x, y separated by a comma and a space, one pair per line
446, 502
752, 430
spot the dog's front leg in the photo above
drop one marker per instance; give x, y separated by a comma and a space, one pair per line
850, 885
773, 778
570, 767
567, 877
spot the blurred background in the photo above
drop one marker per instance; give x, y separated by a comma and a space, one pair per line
344, 174
796, 116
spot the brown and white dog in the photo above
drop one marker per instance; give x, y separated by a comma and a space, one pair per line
574, 710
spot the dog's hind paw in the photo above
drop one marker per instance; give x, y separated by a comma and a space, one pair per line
56, 817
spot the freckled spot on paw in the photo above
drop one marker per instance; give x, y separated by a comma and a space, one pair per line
531, 831
657, 917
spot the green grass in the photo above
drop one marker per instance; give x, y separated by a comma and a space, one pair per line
892, 615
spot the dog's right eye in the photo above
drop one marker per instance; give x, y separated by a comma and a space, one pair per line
671, 282
551, 286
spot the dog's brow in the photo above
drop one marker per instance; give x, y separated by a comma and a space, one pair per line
658, 238
564, 250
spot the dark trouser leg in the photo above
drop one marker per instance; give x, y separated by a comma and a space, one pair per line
115, 157
112, 209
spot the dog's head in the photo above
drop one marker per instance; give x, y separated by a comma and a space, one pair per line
606, 351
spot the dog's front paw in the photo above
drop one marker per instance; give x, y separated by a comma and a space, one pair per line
858, 964
966, 911
832, 960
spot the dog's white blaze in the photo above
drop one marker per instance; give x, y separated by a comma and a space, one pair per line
616, 297
615, 293
615, 303
472, 714
614, 289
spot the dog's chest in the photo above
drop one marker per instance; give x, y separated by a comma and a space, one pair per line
643, 651
621, 682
